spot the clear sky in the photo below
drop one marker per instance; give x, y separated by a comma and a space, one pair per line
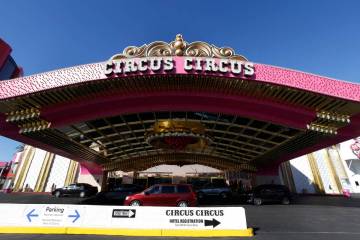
320, 37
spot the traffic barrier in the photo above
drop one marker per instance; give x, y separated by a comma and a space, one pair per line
123, 220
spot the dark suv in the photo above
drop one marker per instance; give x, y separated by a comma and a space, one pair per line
213, 189
76, 189
119, 193
270, 193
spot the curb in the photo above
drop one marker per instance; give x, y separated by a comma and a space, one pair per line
130, 232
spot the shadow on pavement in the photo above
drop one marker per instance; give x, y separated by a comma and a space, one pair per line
95, 200
336, 200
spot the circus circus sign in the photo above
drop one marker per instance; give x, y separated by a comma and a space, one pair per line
178, 57
168, 64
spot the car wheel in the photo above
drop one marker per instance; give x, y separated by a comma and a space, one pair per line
258, 201
182, 204
200, 195
135, 203
82, 194
57, 194
224, 195
285, 201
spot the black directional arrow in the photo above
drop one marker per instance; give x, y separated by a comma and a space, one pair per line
212, 222
124, 213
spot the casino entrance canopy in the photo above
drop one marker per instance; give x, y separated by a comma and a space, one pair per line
179, 103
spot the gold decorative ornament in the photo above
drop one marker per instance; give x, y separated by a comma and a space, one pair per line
322, 128
178, 135
333, 116
178, 126
34, 126
22, 116
179, 47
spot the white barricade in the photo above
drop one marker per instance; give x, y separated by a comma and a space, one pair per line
123, 220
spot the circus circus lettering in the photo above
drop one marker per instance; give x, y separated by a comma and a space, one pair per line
167, 64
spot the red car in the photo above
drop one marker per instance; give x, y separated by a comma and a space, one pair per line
181, 195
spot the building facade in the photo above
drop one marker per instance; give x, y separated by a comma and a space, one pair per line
333, 170
8, 67
35, 170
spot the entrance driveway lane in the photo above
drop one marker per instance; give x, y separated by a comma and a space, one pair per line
307, 236
36, 198
303, 218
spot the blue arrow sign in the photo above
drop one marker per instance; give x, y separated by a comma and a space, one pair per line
29, 215
76, 217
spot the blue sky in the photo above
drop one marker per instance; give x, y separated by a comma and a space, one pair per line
320, 37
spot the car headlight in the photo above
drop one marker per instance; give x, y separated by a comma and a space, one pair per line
127, 198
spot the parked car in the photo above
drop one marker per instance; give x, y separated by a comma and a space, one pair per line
76, 189
270, 193
210, 189
6, 190
119, 193
181, 195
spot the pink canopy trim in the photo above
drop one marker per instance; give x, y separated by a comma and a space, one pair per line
87, 168
263, 73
